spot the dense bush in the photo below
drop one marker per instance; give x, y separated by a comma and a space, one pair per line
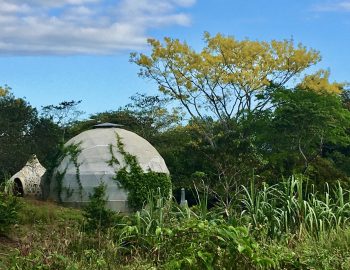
175, 237
198, 244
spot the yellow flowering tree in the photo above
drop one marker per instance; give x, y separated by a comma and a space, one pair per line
228, 77
227, 88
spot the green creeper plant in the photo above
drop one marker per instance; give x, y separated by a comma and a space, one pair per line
137, 182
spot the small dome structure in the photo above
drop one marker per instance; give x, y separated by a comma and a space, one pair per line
27, 181
93, 157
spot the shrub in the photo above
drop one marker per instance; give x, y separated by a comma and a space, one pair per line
98, 217
9, 208
175, 237
198, 244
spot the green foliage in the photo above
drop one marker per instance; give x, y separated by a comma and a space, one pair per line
178, 148
330, 252
97, 216
137, 182
59, 184
35, 212
153, 113
37, 261
280, 228
113, 161
304, 121
23, 133
288, 226
213, 245
9, 211
179, 238
120, 116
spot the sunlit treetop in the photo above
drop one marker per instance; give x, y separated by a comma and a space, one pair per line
228, 77
255, 64
319, 82
4, 91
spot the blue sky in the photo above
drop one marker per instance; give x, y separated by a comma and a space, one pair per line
55, 50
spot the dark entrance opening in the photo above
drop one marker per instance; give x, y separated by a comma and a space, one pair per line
18, 188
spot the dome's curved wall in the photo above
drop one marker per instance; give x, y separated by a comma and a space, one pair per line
95, 146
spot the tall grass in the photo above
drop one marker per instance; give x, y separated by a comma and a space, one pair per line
293, 206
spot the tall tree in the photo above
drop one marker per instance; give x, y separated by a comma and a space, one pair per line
228, 78
221, 87
153, 111
16, 125
22, 133
64, 114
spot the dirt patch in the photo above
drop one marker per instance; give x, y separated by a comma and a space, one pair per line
7, 242
7, 247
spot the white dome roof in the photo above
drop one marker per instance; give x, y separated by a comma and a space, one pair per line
95, 153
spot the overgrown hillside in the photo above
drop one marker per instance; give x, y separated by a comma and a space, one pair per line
270, 227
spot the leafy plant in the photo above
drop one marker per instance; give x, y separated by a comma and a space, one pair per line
9, 210
98, 217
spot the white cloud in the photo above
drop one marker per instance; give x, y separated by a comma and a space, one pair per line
52, 3
151, 12
333, 6
54, 27
7, 7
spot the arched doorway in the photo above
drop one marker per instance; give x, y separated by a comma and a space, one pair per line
18, 188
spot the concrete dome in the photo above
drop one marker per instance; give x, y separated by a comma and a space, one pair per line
27, 181
92, 166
